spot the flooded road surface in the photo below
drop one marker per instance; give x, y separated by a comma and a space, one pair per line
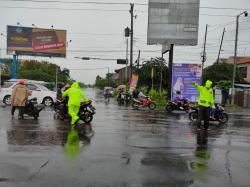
128, 148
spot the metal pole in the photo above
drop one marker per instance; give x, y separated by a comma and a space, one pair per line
131, 39
204, 51
161, 72
170, 66
0, 71
56, 77
108, 76
126, 71
14, 67
221, 45
235, 56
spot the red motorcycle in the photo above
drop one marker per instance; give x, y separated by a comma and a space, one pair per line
143, 102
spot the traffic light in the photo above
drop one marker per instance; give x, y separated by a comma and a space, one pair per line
121, 61
127, 31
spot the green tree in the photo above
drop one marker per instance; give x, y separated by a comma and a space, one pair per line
145, 73
220, 72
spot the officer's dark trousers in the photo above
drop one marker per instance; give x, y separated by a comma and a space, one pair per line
203, 114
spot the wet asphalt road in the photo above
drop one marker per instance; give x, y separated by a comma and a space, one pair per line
128, 148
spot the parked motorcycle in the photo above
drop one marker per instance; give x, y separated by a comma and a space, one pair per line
86, 111
32, 108
219, 115
123, 98
184, 106
143, 102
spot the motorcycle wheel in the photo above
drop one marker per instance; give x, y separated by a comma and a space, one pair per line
152, 106
169, 108
223, 118
135, 105
87, 117
193, 116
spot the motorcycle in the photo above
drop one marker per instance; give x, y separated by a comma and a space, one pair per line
143, 102
184, 106
86, 111
32, 108
123, 98
219, 115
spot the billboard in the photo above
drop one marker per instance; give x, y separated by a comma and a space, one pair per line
173, 22
183, 76
36, 41
133, 82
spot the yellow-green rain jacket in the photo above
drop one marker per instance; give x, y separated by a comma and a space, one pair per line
75, 95
206, 98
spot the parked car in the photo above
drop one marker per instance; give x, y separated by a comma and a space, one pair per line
43, 94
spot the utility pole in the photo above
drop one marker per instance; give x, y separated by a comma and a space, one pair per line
131, 38
161, 72
204, 55
221, 45
170, 67
138, 60
235, 51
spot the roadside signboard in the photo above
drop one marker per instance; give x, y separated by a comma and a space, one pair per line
173, 22
133, 82
36, 41
183, 76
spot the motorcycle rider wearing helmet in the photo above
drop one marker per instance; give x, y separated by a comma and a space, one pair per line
206, 99
19, 98
75, 95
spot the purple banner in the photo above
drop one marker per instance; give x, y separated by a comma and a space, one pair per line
183, 75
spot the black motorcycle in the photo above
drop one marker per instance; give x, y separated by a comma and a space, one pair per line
86, 111
123, 98
219, 115
32, 108
183, 106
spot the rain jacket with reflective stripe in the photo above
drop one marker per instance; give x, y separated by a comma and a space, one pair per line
75, 95
206, 98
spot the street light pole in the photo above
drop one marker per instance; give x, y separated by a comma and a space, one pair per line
235, 52
131, 38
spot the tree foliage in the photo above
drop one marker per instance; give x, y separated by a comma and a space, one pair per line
107, 81
42, 71
145, 79
221, 72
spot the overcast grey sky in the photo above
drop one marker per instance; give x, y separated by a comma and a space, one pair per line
99, 33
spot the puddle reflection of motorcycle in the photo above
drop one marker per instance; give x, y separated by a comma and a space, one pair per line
183, 106
219, 115
77, 139
143, 102
86, 111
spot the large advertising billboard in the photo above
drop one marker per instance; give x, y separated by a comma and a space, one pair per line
173, 22
183, 76
36, 41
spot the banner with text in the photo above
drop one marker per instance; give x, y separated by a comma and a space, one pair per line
36, 41
183, 76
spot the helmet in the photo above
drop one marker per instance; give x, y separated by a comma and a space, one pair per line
21, 81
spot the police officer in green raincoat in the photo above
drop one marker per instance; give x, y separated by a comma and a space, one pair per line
206, 100
75, 95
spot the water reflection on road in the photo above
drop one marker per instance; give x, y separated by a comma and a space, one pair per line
126, 147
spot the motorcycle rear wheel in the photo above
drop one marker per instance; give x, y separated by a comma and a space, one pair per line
193, 116
223, 118
135, 105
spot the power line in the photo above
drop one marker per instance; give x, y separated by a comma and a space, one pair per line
117, 3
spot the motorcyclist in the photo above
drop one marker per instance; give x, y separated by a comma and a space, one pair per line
75, 95
206, 99
178, 100
19, 98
